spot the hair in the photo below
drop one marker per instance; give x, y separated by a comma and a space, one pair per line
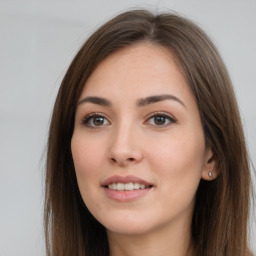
219, 221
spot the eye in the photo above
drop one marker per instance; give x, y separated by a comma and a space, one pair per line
95, 120
160, 119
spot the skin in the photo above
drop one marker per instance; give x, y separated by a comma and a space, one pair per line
171, 156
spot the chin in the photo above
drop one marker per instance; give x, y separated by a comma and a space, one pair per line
124, 223
128, 229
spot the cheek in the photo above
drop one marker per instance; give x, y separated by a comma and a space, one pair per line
178, 167
87, 159
179, 158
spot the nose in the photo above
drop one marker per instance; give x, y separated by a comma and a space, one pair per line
125, 147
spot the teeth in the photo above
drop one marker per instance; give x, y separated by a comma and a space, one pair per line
120, 186
142, 186
136, 186
126, 186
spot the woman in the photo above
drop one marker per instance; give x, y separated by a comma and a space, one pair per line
146, 153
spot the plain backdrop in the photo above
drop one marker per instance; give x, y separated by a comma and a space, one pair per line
38, 39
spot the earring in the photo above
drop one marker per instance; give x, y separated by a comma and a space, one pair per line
210, 174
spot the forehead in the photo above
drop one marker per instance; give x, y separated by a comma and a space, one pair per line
140, 69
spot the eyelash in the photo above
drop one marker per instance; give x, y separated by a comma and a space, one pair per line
162, 114
86, 120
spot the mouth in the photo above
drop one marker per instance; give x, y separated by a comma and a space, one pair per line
126, 188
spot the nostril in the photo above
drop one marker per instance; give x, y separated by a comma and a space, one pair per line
130, 159
113, 160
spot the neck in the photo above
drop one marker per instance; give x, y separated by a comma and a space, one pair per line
161, 242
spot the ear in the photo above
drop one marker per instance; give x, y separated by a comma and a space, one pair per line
209, 169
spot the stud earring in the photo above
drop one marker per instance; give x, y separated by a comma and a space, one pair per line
210, 174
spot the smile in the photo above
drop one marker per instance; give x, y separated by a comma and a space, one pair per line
127, 186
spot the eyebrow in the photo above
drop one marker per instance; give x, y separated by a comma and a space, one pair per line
96, 100
156, 98
140, 103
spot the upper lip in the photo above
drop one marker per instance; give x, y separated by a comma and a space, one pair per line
125, 179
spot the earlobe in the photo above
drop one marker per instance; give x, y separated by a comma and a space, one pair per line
211, 175
209, 171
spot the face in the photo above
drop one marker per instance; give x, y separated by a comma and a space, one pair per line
138, 145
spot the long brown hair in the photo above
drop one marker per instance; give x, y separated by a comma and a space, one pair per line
219, 224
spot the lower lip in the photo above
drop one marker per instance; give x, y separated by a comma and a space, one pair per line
126, 195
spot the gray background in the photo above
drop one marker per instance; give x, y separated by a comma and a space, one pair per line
38, 39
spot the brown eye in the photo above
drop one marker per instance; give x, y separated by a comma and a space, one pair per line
160, 119
95, 120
